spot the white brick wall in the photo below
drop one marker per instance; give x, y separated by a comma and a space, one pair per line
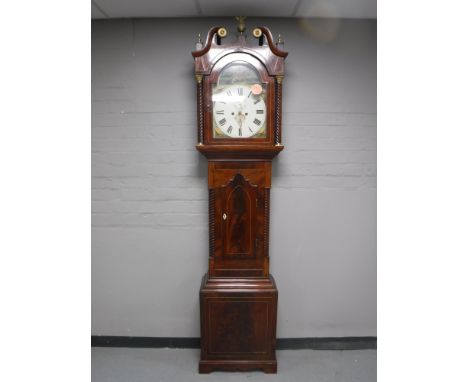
149, 194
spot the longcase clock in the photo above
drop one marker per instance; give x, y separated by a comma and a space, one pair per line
239, 131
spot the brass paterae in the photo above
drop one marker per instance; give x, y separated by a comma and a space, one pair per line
222, 32
257, 32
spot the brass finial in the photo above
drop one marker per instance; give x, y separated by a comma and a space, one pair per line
241, 24
199, 43
280, 43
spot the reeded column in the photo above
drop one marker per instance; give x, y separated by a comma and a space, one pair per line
279, 89
199, 78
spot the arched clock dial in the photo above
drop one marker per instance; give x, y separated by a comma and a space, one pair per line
239, 111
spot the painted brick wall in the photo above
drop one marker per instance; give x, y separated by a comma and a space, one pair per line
149, 193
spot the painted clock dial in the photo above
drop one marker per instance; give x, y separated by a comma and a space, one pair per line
238, 112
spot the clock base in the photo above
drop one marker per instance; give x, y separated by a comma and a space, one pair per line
238, 324
268, 367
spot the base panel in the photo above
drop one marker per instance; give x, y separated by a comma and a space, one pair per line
238, 324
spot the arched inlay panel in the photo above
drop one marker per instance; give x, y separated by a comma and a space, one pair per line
238, 230
238, 216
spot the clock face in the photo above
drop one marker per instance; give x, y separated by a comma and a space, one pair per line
239, 111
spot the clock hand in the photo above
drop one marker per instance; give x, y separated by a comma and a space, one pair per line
239, 118
236, 117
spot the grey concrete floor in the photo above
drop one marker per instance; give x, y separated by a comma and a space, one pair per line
144, 365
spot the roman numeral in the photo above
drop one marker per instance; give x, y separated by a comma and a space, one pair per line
260, 111
222, 122
240, 91
240, 132
257, 122
229, 129
222, 112
250, 93
257, 101
250, 129
229, 93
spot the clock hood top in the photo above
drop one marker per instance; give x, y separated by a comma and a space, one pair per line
213, 51
216, 138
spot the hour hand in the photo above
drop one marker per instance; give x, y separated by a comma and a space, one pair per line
240, 118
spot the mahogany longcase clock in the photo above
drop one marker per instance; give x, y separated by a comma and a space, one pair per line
239, 131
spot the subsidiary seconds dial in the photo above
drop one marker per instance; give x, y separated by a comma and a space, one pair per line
238, 112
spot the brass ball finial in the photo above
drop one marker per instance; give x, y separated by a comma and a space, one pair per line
241, 24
